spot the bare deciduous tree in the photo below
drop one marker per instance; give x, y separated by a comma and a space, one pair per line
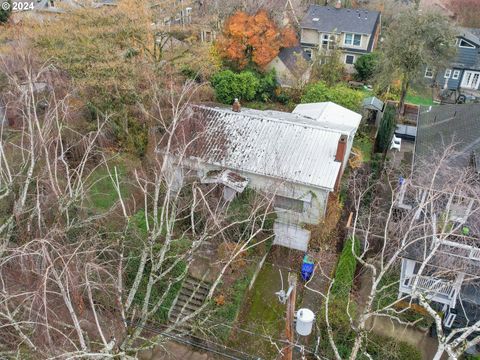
79, 282
430, 220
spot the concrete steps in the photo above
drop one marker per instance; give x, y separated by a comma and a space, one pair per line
190, 298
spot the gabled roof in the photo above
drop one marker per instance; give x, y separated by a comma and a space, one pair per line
470, 34
330, 116
373, 103
439, 126
290, 55
282, 146
327, 19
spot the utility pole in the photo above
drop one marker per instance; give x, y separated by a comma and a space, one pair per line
292, 294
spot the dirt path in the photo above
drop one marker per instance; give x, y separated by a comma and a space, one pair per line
325, 260
421, 340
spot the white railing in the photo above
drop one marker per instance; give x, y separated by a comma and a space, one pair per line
436, 286
475, 254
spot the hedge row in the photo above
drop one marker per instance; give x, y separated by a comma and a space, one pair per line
246, 85
345, 271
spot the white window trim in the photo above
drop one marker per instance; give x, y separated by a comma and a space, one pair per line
429, 70
353, 39
448, 74
309, 53
354, 59
456, 74
471, 46
330, 39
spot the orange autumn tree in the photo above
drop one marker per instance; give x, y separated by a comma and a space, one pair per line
253, 38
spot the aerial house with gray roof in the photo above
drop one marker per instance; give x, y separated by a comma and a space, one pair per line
296, 157
355, 31
451, 277
463, 72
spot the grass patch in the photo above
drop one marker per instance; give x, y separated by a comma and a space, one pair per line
419, 100
261, 313
102, 195
364, 143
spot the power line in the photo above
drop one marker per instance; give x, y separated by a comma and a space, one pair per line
200, 343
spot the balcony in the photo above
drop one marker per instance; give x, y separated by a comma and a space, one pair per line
442, 291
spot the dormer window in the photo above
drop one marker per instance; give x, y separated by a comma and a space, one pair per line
352, 39
465, 44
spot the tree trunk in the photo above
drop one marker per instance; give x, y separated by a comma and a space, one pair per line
403, 95
439, 353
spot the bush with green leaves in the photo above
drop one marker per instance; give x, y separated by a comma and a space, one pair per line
339, 94
247, 86
345, 272
365, 66
386, 129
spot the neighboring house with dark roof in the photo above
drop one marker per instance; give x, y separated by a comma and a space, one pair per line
292, 66
297, 158
355, 31
464, 71
451, 277
439, 126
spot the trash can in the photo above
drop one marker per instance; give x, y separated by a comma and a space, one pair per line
307, 268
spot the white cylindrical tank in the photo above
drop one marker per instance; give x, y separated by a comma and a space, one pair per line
304, 322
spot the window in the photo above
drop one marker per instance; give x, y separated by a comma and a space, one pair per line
349, 59
450, 318
353, 39
308, 52
466, 44
328, 41
448, 73
456, 74
285, 203
429, 72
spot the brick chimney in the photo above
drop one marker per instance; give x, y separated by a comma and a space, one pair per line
341, 148
339, 156
236, 106
338, 5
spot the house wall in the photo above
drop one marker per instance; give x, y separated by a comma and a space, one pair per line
313, 37
288, 228
467, 57
284, 75
309, 36
363, 44
315, 200
450, 83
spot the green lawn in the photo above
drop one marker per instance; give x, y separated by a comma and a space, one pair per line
262, 313
419, 100
102, 194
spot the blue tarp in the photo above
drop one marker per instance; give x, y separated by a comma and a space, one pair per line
307, 268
